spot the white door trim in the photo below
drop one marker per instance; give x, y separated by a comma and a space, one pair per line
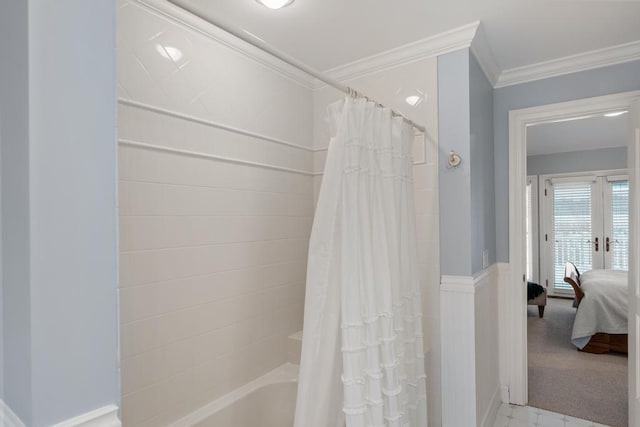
514, 349
634, 262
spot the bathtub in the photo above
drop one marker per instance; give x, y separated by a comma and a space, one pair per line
268, 401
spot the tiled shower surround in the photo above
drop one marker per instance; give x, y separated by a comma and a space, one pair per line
213, 248
212, 253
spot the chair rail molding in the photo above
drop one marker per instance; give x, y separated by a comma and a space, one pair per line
8, 418
106, 416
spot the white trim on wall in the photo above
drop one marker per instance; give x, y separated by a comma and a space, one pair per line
107, 416
490, 414
458, 370
481, 49
8, 418
191, 153
458, 348
210, 123
570, 64
513, 294
449, 41
503, 284
633, 166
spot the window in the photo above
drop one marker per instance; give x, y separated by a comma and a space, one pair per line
572, 229
618, 228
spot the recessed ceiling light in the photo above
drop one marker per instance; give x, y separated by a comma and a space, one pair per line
615, 114
169, 52
275, 4
413, 100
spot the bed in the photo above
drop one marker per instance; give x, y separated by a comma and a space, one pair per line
600, 325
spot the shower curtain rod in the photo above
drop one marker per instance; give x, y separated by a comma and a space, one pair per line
260, 44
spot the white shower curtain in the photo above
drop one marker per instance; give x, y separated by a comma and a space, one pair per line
362, 357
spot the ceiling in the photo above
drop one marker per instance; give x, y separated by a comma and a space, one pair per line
328, 33
577, 135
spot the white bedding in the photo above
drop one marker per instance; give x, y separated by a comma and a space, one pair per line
604, 306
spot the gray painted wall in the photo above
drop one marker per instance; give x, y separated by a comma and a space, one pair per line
585, 84
455, 189
578, 161
14, 128
1, 280
73, 213
467, 201
483, 218
59, 208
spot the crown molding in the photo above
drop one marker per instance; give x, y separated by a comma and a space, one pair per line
613, 55
467, 36
170, 11
439, 44
482, 51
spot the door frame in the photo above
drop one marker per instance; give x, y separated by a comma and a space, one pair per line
513, 352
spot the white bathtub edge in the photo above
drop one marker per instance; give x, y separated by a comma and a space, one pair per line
287, 372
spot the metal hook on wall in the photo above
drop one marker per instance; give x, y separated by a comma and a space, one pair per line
454, 159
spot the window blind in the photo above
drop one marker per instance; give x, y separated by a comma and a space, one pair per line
620, 225
572, 228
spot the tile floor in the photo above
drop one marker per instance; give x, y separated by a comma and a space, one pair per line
527, 416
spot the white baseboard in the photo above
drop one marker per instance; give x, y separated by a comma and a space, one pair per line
504, 393
107, 416
8, 418
492, 411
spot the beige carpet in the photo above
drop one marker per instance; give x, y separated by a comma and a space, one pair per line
564, 380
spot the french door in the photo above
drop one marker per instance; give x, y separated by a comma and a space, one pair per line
585, 221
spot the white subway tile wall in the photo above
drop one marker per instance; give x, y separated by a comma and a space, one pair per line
212, 253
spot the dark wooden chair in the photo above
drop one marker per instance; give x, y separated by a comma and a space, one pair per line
572, 277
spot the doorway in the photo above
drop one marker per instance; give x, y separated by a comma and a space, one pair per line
580, 199
514, 343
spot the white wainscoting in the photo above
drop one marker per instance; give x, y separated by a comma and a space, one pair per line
491, 413
503, 335
470, 377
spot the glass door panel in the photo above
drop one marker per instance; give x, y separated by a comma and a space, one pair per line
573, 230
616, 216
